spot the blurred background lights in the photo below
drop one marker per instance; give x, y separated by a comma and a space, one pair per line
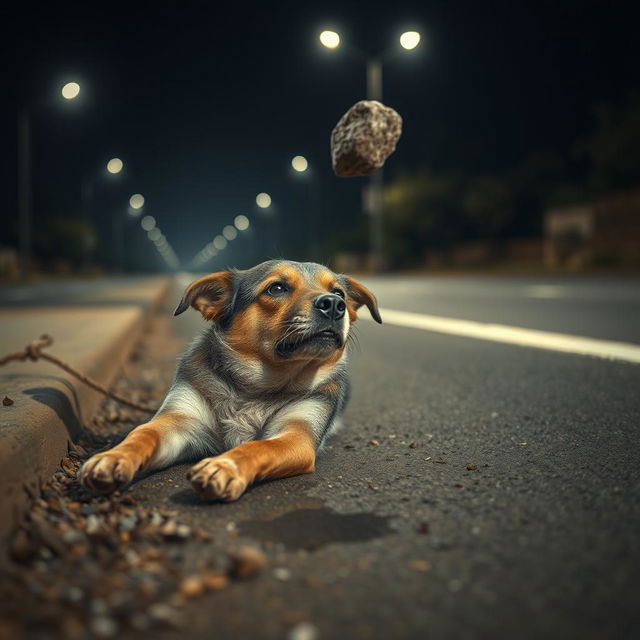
148, 223
136, 201
154, 234
70, 90
299, 163
263, 200
241, 222
410, 39
330, 39
219, 243
230, 232
115, 165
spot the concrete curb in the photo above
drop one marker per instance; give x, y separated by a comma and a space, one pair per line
51, 407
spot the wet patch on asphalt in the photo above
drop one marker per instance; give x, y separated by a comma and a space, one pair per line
311, 529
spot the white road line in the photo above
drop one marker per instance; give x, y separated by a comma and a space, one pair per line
513, 335
544, 291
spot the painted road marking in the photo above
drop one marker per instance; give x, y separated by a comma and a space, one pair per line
513, 335
545, 291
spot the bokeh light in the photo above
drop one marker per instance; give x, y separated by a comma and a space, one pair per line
263, 200
230, 232
330, 39
70, 90
241, 222
136, 201
148, 223
219, 242
299, 163
410, 40
115, 165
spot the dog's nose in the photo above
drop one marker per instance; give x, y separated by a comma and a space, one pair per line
330, 306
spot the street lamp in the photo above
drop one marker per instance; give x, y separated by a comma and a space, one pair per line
69, 91
115, 166
263, 200
241, 223
372, 199
230, 232
148, 223
136, 202
299, 164
219, 242
409, 40
330, 39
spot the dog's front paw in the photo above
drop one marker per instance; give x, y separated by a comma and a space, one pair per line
106, 472
218, 478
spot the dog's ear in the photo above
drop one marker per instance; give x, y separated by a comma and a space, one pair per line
210, 295
360, 295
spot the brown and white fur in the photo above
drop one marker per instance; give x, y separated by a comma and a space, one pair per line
259, 391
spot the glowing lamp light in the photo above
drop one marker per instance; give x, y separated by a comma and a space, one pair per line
70, 90
136, 201
154, 234
330, 39
219, 242
409, 40
115, 165
241, 222
148, 223
230, 232
263, 200
299, 164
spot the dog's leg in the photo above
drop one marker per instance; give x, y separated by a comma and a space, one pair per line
155, 443
225, 477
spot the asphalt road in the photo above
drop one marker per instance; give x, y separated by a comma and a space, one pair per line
478, 489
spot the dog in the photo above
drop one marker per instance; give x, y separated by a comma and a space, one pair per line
259, 392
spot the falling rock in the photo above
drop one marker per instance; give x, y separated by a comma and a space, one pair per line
364, 138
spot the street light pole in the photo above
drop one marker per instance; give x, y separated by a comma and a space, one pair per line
69, 91
24, 192
373, 192
372, 195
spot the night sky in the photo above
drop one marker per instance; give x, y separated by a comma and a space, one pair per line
207, 102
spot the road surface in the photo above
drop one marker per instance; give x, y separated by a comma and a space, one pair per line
478, 490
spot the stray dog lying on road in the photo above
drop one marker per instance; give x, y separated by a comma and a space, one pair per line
262, 387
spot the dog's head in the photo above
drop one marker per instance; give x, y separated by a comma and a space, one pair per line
280, 310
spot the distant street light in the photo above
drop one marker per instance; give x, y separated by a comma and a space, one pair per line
70, 90
330, 39
241, 222
230, 232
148, 223
263, 200
373, 193
219, 243
299, 164
115, 166
409, 40
136, 201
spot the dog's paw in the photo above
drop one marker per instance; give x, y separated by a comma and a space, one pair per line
106, 472
217, 478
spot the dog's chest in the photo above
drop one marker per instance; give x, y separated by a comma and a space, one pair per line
243, 419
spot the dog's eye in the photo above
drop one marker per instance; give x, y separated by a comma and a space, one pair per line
276, 289
338, 292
